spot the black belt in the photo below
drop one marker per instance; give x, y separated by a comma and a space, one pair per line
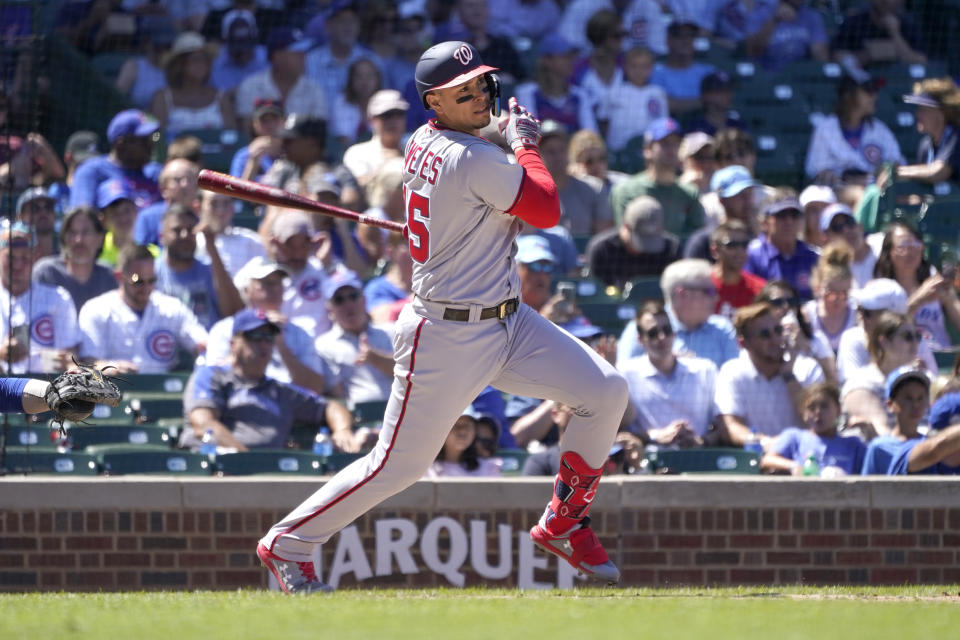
501, 311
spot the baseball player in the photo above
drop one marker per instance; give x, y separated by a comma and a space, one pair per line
465, 327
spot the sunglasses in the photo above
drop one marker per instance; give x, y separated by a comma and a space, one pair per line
139, 281
766, 334
735, 244
652, 334
707, 291
784, 302
340, 298
540, 267
260, 336
488, 443
908, 246
910, 336
841, 223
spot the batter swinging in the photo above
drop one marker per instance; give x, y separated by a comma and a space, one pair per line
466, 328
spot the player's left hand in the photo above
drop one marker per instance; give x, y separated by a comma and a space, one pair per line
520, 129
74, 393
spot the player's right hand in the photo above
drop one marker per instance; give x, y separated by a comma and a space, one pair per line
520, 129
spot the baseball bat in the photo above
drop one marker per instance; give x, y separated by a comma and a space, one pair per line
262, 194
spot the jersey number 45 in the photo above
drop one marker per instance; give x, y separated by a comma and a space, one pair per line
418, 231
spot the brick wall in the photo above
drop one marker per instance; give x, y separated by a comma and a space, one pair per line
118, 534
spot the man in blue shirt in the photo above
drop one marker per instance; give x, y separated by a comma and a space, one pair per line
679, 74
131, 134
207, 290
780, 255
691, 298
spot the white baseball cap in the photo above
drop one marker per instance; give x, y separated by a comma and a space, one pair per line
817, 193
881, 294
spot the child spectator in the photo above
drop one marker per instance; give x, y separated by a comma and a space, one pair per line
907, 397
633, 102
836, 455
458, 455
937, 453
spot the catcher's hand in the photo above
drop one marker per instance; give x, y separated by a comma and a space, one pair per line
520, 129
74, 393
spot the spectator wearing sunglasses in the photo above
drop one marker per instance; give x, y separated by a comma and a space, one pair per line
892, 342
761, 391
779, 254
360, 354
134, 327
294, 360
802, 338
245, 408
830, 312
930, 296
735, 287
691, 298
880, 294
673, 397
837, 224
36, 209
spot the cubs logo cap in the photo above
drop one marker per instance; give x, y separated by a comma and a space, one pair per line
730, 181
132, 122
250, 320
448, 64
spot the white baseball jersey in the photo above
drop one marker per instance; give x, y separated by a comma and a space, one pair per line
630, 110
46, 315
113, 331
236, 246
830, 151
457, 187
303, 301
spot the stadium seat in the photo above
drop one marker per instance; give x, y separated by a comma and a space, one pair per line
38, 436
945, 360
36, 461
217, 146
589, 289
640, 290
283, 461
127, 459
81, 436
609, 316
138, 383
513, 460
707, 460
368, 414
338, 461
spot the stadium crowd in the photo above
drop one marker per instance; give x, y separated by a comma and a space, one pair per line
797, 319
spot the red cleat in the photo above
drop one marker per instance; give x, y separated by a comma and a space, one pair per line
294, 577
580, 547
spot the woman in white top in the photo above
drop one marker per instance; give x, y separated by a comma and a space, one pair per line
142, 76
189, 101
931, 299
851, 144
830, 312
458, 456
892, 343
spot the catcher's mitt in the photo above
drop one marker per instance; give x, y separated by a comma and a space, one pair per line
74, 393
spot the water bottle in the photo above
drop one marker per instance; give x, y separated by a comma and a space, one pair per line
810, 466
323, 444
208, 445
753, 443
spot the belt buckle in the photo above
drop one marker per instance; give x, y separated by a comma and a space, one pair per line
502, 309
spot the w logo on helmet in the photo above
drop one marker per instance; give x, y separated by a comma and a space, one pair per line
464, 54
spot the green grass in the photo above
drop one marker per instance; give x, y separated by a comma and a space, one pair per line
780, 613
